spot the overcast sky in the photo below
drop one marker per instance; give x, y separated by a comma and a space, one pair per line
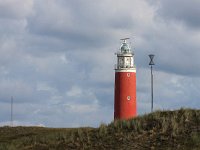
57, 57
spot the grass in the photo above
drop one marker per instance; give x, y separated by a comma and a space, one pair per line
178, 129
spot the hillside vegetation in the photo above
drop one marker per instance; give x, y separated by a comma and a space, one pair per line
178, 129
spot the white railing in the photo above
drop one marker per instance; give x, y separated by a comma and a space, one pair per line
125, 52
124, 67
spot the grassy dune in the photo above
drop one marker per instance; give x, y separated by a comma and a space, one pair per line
178, 129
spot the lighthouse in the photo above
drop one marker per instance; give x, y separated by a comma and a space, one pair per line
125, 83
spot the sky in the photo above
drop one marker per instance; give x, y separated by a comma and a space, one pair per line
57, 58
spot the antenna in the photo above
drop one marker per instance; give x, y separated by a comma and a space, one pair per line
124, 39
11, 113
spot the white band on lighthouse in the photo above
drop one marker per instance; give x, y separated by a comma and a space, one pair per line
125, 70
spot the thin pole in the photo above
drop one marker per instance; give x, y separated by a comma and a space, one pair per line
11, 117
151, 89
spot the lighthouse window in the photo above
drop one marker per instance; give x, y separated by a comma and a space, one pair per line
128, 98
128, 74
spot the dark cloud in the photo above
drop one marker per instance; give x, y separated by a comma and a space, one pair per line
18, 9
76, 27
182, 11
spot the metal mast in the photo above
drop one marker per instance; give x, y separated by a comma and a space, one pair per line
151, 63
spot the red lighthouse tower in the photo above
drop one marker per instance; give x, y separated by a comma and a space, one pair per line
125, 83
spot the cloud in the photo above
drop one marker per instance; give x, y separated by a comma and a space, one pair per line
83, 108
74, 91
18, 9
182, 11
9, 88
171, 91
17, 123
81, 24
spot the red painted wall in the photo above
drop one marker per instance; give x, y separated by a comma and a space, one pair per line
125, 85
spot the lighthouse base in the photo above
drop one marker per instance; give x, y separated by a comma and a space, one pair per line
125, 95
